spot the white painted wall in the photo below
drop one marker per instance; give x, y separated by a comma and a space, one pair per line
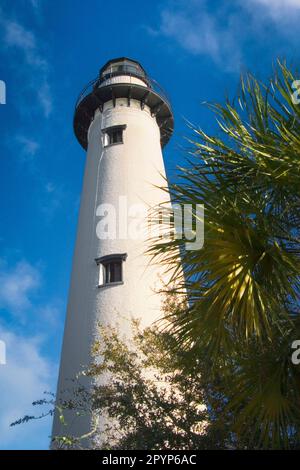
130, 169
123, 79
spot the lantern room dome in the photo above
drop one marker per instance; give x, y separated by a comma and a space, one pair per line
122, 78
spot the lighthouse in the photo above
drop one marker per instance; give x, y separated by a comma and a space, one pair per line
123, 119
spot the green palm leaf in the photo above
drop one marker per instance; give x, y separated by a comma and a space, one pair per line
243, 286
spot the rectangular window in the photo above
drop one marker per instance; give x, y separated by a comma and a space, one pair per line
111, 269
113, 135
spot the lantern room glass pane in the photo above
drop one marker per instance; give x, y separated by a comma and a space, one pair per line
124, 66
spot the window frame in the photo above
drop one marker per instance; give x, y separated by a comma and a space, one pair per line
108, 131
105, 261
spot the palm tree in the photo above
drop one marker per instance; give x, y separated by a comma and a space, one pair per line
243, 285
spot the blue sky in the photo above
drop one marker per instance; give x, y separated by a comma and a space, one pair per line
49, 49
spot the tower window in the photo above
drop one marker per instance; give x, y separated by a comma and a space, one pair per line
113, 135
113, 272
111, 269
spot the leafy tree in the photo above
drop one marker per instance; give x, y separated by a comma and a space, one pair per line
147, 398
243, 285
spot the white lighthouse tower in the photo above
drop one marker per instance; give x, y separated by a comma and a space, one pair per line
123, 119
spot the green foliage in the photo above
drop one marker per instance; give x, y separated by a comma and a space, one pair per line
144, 397
149, 402
243, 286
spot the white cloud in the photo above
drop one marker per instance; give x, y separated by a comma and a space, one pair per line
51, 315
55, 197
45, 98
15, 36
17, 284
221, 33
178, 25
35, 3
280, 12
29, 147
24, 378
200, 33
50, 187
278, 4
28, 373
